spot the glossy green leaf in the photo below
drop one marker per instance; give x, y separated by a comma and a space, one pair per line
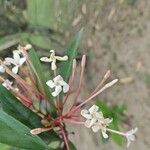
65, 67
14, 133
13, 107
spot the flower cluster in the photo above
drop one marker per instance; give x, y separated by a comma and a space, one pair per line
96, 120
16, 62
35, 97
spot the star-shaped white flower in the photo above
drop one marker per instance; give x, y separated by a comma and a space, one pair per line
17, 61
59, 84
102, 124
6, 84
53, 58
92, 115
130, 135
95, 120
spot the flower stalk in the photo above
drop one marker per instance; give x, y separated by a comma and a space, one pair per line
36, 99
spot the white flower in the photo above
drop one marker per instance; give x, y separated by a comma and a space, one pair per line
2, 69
53, 58
96, 120
92, 115
2, 66
130, 135
6, 84
17, 61
59, 84
101, 124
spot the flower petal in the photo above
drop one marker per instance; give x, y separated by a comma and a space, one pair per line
15, 69
105, 135
93, 109
108, 121
66, 88
2, 69
85, 114
22, 60
16, 57
53, 65
62, 82
87, 123
64, 58
93, 121
5, 84
128, 143
45, 59
50, 83
58, 89
99, 115
9, 60
95, 128
57, 79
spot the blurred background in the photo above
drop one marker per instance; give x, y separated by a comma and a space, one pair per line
116, 37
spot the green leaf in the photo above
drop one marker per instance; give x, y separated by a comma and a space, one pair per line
13, 107
65, 67
40, 73
72, 146
104, 108
4, 147
14, 133
118, 139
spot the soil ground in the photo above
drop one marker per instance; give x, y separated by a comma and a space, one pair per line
117, 36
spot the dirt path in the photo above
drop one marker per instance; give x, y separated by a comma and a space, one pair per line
117, 36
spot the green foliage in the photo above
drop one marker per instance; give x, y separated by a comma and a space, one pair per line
22, 117
115, 112
72, 146
13, 107
16, 134
38, 70
65, 67
4, 147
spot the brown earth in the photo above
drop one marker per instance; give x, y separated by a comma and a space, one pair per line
117, 36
